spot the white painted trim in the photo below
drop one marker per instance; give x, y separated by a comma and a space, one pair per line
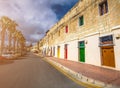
107, 34
92, 34
115, 27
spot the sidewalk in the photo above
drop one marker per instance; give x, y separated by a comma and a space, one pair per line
105, 76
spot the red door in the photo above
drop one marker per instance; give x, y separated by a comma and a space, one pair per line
66, 52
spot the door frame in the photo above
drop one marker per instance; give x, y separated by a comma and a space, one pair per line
106, 44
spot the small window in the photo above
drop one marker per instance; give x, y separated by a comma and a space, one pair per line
81, 21
59, 32
106, 40
103, 7
66, 29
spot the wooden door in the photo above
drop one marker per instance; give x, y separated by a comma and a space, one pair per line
108, 56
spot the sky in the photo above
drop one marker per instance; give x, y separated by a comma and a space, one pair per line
35, 17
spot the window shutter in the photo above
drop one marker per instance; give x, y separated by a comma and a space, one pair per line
66, 29
81, 21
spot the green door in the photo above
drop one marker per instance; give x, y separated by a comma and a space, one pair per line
82, 51
82, 54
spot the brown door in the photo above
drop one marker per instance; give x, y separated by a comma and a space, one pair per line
108, 56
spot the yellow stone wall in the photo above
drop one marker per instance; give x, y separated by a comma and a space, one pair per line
93, 22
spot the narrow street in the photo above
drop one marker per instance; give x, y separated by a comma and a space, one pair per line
32, 72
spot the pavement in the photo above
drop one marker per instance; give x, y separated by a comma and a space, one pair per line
103, 77
31, 71
11, 56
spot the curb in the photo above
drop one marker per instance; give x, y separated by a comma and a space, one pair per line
76, 77
81, 78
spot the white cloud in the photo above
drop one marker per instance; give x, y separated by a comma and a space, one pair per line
33, 16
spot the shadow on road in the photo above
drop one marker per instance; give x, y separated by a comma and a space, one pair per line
4, 60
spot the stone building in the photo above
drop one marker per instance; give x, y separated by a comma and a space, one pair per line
88, 33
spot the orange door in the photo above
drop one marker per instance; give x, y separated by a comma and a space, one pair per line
108, 56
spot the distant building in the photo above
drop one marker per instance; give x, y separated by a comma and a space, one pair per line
88, 33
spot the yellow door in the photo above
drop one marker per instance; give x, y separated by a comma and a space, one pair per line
58, 53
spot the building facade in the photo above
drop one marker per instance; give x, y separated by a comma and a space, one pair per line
88, 33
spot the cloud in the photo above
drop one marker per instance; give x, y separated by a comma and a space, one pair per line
34, 17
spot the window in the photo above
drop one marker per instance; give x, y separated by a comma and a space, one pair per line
59, 32
81, 44
81, 21
66, 29
103, 7
106, 40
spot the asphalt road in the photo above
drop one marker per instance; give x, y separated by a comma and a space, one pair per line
32, 72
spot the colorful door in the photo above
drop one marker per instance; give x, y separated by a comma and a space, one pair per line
53, 51
58, 51
82, 51
108, 56
65, 51
107, 51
